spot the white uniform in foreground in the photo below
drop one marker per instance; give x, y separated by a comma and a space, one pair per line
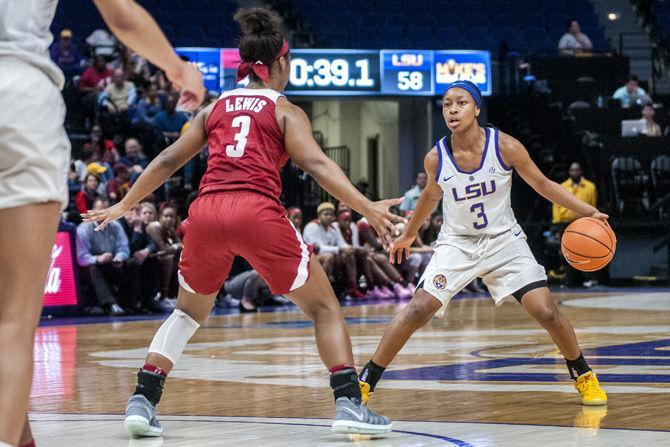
34, 148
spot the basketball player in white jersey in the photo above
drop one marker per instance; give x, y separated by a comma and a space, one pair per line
34, 157
472, 173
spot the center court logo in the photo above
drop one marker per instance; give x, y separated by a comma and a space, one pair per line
440, 281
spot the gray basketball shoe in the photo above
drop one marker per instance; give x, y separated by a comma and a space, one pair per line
351, 416
141, 418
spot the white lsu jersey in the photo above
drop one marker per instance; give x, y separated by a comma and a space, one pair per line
476, 204
25, 35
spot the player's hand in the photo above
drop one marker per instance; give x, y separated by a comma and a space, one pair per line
601, 216
104, 217
188, 80
381, 219
400, 248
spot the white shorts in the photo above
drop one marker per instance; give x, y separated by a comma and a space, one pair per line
34, 148
508, 267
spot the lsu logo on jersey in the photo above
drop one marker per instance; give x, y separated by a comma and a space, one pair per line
440, 282
474, 191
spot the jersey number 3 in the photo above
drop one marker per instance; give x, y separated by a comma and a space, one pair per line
244, 123
481, 221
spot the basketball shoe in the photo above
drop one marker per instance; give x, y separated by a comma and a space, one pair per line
352, 416
141, 418
589, 388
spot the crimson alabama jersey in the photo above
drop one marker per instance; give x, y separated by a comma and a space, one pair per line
246, 145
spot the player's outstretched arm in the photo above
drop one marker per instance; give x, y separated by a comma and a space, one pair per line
429, 197
515, 155
306, 153
135, 27
159, 170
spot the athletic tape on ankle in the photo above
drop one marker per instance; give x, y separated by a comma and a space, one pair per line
172, 336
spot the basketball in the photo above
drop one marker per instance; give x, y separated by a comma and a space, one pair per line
588, 244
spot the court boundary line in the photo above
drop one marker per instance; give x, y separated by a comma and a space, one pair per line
173, 416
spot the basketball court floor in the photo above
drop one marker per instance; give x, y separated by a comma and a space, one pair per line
482, 376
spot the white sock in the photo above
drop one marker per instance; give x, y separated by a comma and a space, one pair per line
4, 444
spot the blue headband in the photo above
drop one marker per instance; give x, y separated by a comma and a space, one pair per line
470, 87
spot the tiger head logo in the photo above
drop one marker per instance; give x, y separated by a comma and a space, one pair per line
440, 281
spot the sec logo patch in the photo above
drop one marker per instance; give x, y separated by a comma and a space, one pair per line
440, 281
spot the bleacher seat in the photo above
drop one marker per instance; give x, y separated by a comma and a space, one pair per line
630, 185
660, 176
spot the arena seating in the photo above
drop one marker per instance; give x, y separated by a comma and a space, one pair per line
527, 26
206, 23
661, 10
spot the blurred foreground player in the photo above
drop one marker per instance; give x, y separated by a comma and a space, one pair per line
251, 133
472, 173
34, 160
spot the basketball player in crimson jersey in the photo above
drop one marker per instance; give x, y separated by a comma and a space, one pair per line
251, 133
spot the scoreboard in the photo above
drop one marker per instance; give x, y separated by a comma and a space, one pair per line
357, 72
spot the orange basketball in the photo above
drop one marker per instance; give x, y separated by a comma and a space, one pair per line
588, 244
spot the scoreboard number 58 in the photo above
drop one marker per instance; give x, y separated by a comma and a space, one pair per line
410, 80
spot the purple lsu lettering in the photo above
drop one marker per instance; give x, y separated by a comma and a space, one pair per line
475, 190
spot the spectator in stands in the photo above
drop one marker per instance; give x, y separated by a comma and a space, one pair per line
101, 256
138, 69
164, 234
412, 195
84, 199
95, 78
249, 288
142, 266
431, 230
148, 213
66, 54
116, 100
631, 93
332, 250
583, 189
120, 184
574, 41
169, 121
650, 128
93, 81
379, 284
147, 107
119, 95
134, 158
294, 214
164, 86
102, 42
102, 150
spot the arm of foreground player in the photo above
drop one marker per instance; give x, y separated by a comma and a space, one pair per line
306, 153
135, 27
516, 156
159, 170
429, 197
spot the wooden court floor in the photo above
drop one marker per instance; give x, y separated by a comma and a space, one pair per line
482, 376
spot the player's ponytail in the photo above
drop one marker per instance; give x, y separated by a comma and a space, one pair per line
262, 37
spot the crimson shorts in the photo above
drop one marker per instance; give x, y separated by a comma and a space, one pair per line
223, 225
